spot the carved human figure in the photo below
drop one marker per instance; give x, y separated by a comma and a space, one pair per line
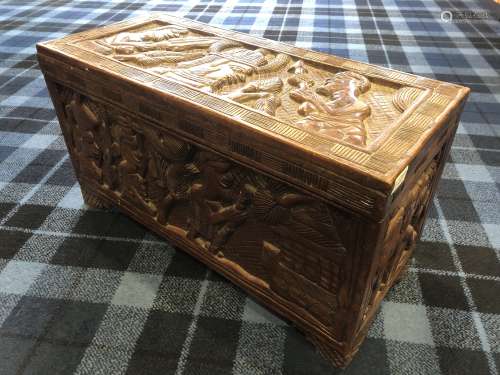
219, 200
225, 63
334, 109
264, 94
170, 171
111, 156
404, 226
127, 43
133, 166
85, 128
206, 62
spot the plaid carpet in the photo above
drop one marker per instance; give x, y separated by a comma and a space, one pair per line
91, 292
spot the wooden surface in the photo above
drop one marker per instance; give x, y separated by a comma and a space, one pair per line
302, 177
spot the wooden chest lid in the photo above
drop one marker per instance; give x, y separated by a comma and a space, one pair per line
321, 115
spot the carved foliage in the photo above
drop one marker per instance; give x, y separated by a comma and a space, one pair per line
299, 249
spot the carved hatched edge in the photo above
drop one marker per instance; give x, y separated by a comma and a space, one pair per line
384, 165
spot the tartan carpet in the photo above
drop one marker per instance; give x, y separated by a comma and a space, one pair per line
91, 292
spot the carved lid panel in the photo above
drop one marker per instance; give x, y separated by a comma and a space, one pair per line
366, 117
337, 105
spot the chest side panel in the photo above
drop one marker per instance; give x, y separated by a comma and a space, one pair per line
294, 248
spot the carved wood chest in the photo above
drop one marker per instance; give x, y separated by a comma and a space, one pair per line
302, 177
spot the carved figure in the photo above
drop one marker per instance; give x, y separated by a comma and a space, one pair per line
129, 42
402, 231
111, 156
84, 127
220, 200
334, 109
263, 92
170, 173
226, 63
133, 166
208, 63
